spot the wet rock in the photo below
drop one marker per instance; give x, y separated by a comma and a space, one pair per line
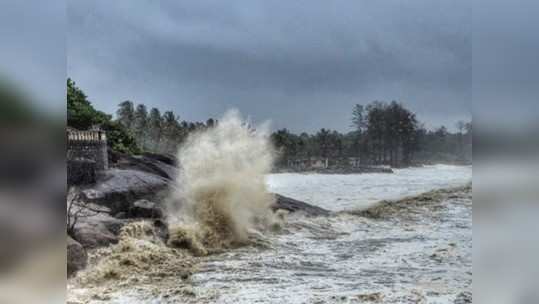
97, 231
76, 257
168, 159
121, 215
93, 236
145, 209
118, 189
158, 164
292, 205
114, 225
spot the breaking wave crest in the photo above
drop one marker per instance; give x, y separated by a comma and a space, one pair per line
222, 193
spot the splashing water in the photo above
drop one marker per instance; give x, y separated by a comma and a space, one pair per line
222, 193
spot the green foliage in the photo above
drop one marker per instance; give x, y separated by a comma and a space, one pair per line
384, 133
126, 114
156, 132
82, 115
119, 138
80, 112
358, 118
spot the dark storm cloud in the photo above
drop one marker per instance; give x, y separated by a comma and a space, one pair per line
302, 64
506, 64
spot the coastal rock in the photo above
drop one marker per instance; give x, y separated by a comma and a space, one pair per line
168, 159
97, 231
165, 166
121, 215
118, 189
292, 205
145, 209
76, 257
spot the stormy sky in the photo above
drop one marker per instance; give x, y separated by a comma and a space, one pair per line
33, 50
301, 64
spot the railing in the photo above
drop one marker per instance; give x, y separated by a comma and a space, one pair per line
98, 136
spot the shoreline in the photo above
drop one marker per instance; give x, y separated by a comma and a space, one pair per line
361, 170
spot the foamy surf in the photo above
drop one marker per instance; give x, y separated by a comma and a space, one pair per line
221, 193
220, 202
223, 203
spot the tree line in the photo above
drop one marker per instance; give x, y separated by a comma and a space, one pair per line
384, 134
156, 132
135, 129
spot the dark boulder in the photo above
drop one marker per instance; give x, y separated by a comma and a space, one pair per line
145, 209
164, 158
98, 230
121, 215
164, 166
76, 257
292, 205
119, 189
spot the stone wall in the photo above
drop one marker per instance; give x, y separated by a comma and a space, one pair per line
86, 150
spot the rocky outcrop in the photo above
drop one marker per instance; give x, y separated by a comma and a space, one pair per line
76, 257
119, 189
98, 230
165, 166
131, 189
145, 209
292, 205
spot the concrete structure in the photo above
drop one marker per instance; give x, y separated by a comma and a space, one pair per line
86, 155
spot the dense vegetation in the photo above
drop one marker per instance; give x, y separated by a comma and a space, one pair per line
383, 134
154, 131
135, 129
82, 115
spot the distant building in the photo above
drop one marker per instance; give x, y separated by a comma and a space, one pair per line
309, 163
354, 162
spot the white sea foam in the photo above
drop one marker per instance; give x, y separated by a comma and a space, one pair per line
221, 187
338, 258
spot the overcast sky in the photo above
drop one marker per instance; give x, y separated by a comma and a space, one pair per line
33, 50
301, 64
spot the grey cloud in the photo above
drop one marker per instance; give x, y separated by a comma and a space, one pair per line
288, 62
33, 52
